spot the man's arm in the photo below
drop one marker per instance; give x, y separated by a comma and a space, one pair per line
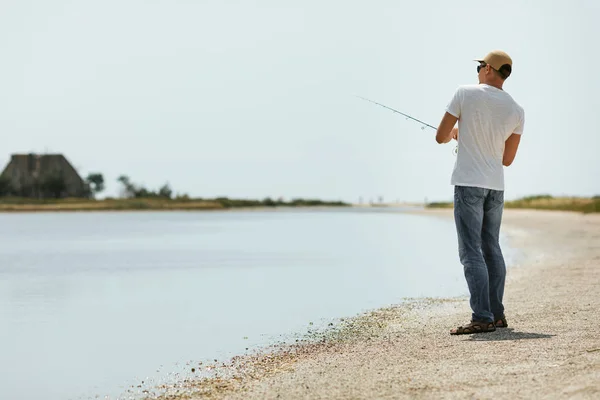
445, 133
510, 149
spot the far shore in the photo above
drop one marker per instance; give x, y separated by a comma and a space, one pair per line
7, 205
109, 205
544, 202
153, 204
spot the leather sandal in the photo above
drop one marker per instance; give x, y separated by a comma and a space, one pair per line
474, 327
500, 322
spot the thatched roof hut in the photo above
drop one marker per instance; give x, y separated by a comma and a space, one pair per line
43, 175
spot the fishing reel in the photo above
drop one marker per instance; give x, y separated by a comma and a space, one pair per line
454, 151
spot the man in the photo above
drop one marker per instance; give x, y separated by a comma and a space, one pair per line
490, 124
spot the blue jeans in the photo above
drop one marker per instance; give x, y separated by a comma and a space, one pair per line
478, 215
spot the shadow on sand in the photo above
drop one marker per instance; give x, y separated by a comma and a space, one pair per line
507, 334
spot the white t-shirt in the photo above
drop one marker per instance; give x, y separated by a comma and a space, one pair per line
487, 116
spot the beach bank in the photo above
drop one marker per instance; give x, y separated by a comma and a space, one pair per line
551, 348
156, 204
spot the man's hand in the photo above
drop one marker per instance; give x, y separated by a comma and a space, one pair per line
455, 134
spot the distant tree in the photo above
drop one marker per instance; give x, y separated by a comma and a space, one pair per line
165, 191
124, 179
96, 182
129, 189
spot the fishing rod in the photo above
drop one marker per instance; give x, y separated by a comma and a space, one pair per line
424, 124
401, 113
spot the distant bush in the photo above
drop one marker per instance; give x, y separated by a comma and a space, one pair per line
593, 207
315, 202
537, 197
269, 202
440, 205
544, 202
237, 203
580, 204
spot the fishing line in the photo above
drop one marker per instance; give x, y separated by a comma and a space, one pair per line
423, 124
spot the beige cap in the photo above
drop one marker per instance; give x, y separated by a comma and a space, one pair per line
496, 59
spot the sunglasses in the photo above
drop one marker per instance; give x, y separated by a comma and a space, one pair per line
480, 66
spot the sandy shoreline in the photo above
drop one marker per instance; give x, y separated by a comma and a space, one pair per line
551, 348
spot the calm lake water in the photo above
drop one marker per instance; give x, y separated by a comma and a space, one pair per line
92, 304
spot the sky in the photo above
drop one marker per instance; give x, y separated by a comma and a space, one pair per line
255, 99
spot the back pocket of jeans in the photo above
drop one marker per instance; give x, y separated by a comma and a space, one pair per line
498, 197
472, 195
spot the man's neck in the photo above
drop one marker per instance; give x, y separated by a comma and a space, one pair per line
494, 84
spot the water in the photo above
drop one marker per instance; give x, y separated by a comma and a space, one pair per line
92, 304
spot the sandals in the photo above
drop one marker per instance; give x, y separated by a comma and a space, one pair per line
474, 327
500, 322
